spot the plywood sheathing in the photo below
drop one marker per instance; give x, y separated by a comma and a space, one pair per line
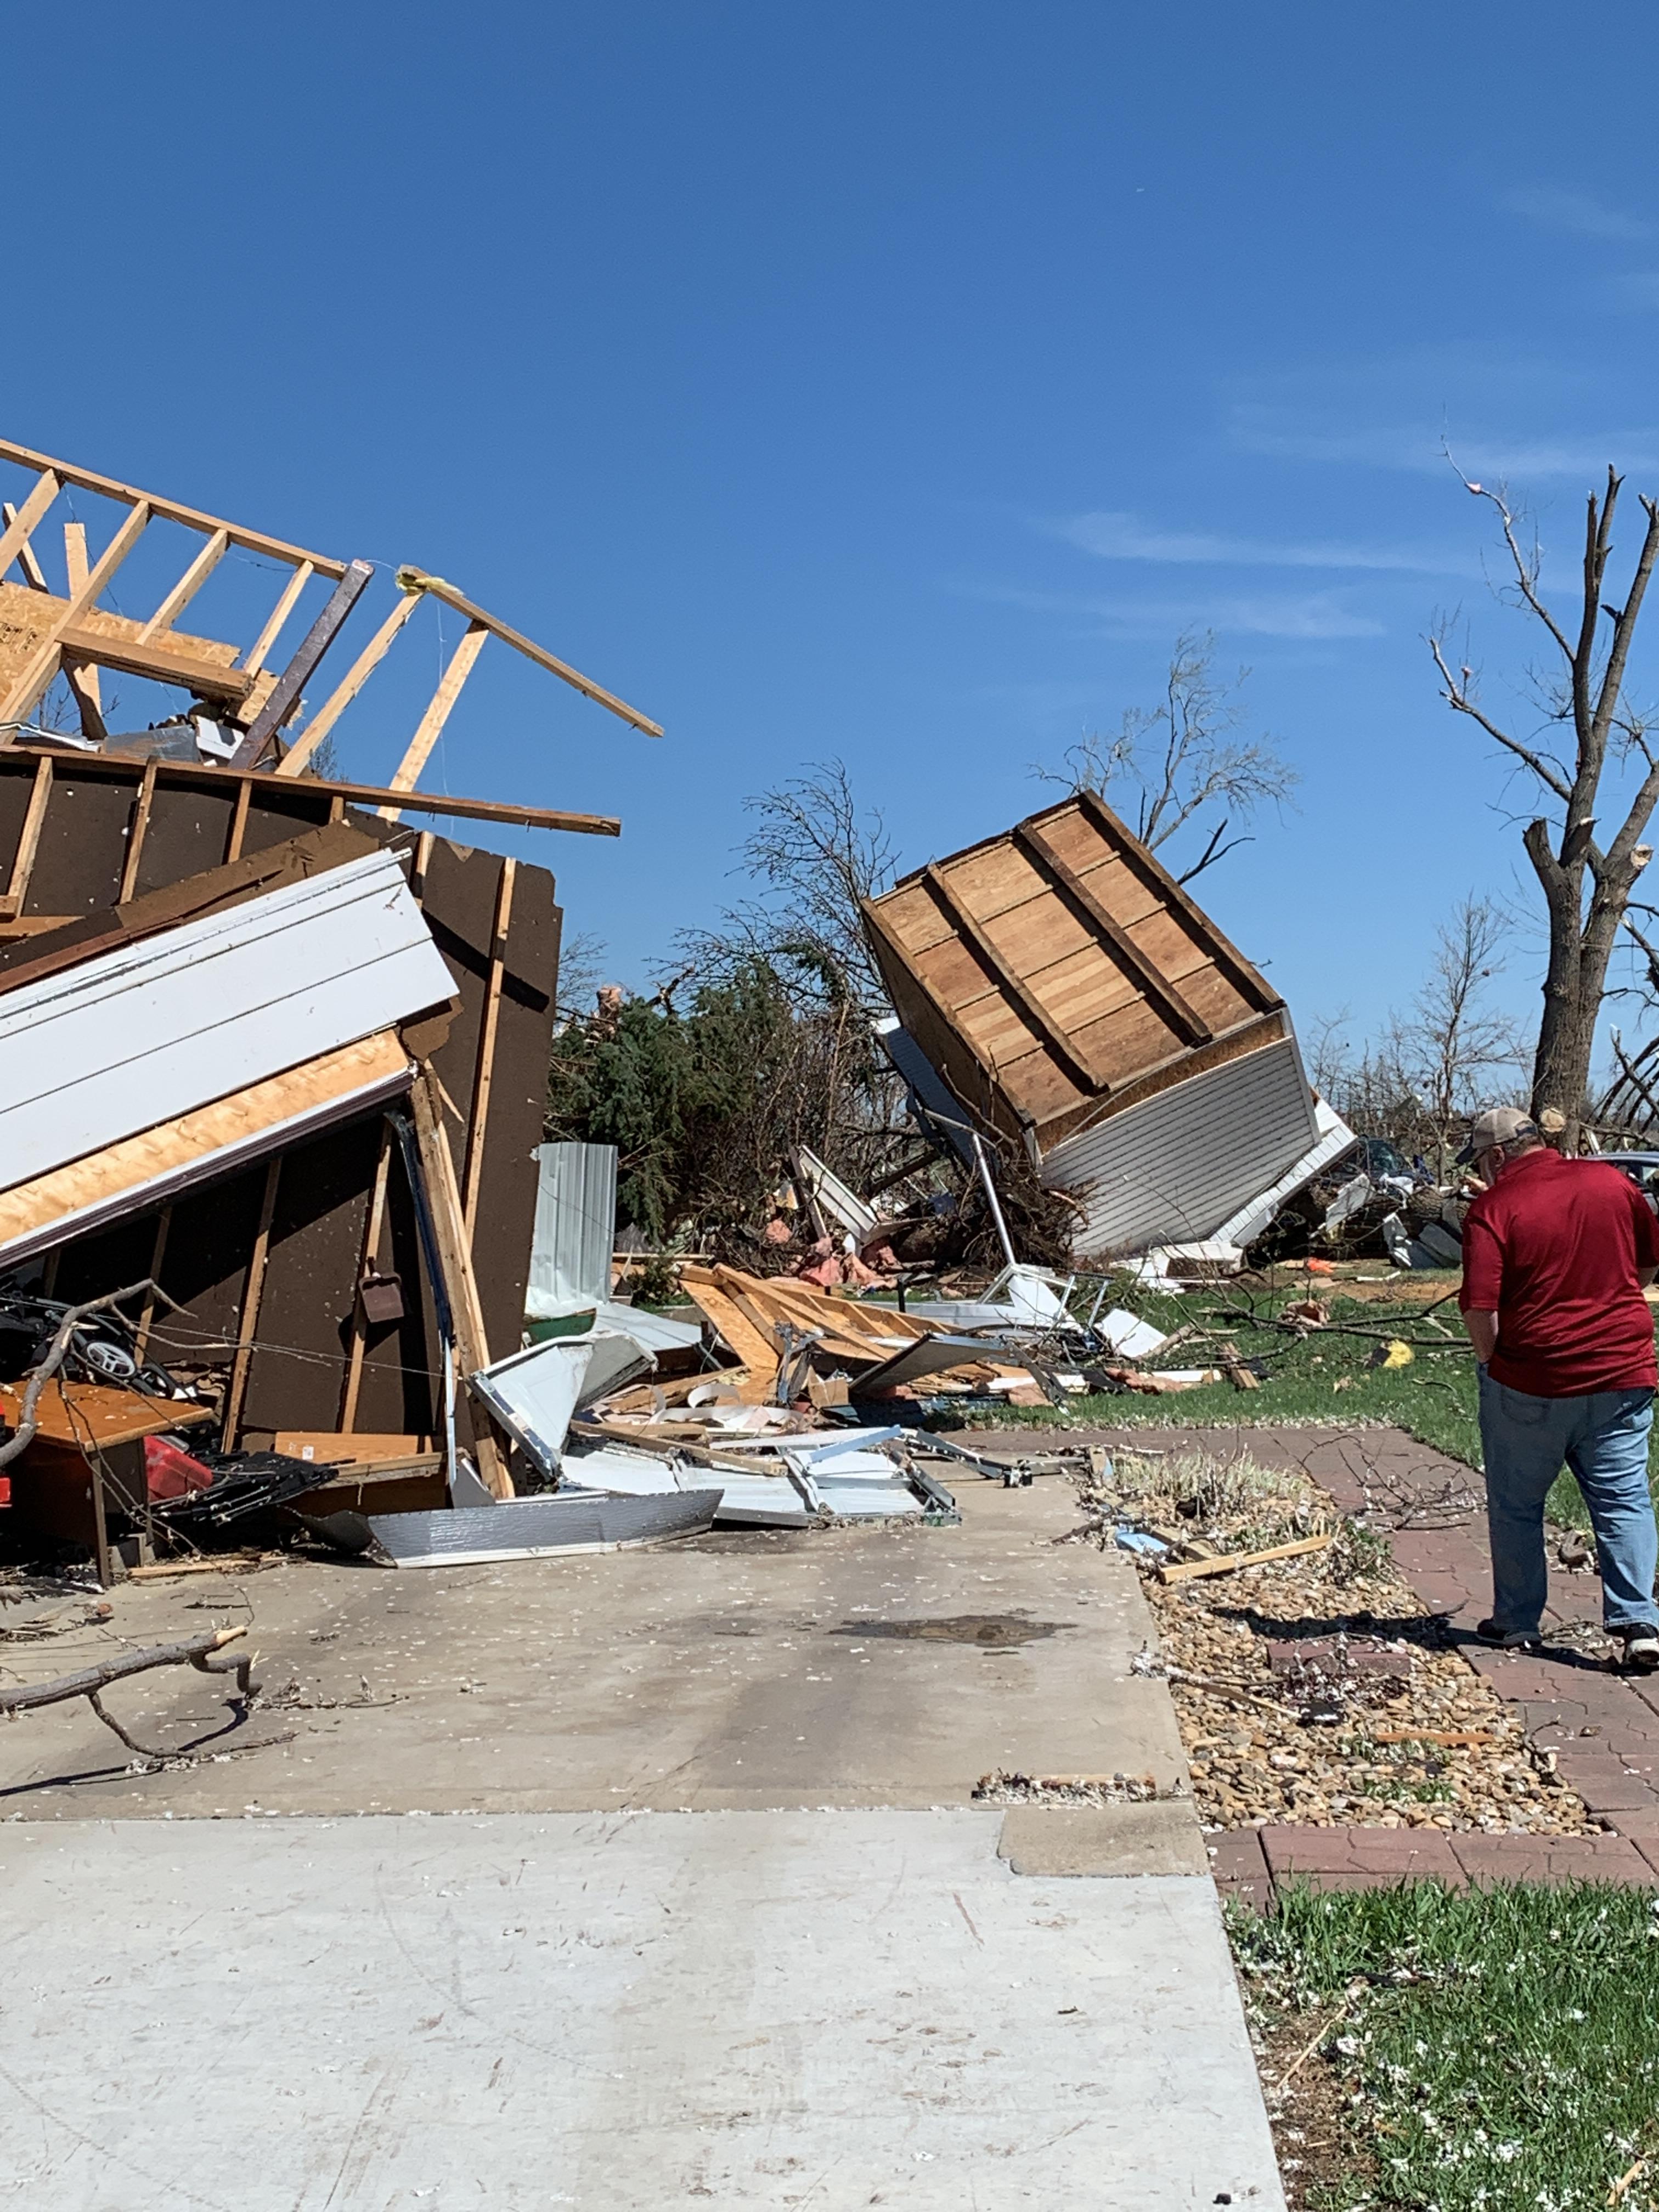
1058, 973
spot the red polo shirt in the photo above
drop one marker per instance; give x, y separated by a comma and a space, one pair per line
1552, 1249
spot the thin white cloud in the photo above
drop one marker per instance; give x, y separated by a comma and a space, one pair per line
1118, 537
1267, 614
1574, 214
1284, 434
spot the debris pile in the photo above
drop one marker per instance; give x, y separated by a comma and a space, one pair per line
1310, 1684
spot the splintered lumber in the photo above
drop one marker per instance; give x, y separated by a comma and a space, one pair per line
1230, 1562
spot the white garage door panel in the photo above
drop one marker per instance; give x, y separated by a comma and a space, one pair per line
147, 1033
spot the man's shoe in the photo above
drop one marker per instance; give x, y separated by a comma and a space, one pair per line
1641, 1644
1511, 1639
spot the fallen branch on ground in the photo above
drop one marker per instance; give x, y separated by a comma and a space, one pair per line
195, 1651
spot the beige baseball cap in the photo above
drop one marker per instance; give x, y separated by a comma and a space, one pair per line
1498, 1125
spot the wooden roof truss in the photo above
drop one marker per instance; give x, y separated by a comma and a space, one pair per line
75, 637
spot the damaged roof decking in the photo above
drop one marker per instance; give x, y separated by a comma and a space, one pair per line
1058, 973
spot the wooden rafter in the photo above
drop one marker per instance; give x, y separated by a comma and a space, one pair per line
1030, 1007
1034, 843
338, 700
166, 510
20, 526
25, 694
279, 614
440, 588
187, 585
462, 661
33, 574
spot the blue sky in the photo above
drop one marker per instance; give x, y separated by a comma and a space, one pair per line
892, 382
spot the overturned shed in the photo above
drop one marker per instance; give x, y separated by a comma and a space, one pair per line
1075, 1000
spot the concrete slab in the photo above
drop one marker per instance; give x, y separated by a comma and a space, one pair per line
764, 1669
610, 2012
1115, 1840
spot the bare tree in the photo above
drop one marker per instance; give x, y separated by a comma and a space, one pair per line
1182, 757
1586, 879
1434, 1065
816, 856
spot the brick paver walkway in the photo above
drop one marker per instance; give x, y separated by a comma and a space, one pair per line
1602, 1727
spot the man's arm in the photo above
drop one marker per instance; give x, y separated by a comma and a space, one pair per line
1482, 1332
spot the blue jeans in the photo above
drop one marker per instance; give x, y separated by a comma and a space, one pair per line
1604, 1439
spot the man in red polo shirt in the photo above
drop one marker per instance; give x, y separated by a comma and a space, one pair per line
1556, 1254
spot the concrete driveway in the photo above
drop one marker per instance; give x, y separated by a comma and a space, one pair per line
430, 1928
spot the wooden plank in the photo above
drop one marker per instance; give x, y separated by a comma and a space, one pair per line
206, 777
26, 693
28, 842
187, 587
369, 1257
157, 1255
472, 1347
136, 833
237, 824
1162, 994
418, 581
1188, 1571
1034, 1011
81, 676
407, 774
252, 541
1249, 979
161, 664
753, 1345
253, 1292
484, 1071
20, 526
291, 683
279, 614
33, 574
336, 704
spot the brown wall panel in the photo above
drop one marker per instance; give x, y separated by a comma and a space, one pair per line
83, 843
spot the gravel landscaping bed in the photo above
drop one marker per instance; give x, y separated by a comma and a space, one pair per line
1316, 1689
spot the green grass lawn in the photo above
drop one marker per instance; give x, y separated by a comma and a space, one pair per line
1481, 2052
1324, 1376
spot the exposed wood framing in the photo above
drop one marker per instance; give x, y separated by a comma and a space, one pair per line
485, 1069
252, 541
187, 587
251, 1295
20, 526
161, 664
81, 676
1034, 843
33, 574
26, 692
462, 661
279, 614
137, 831
1244, 978
237, 824
878, 921
206, 777
338, 700
158, 1254
417, 580
373, 1223
471, 1339
1030, 1007
291, 683
29, 843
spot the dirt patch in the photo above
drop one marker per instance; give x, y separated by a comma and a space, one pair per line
1316, 1690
